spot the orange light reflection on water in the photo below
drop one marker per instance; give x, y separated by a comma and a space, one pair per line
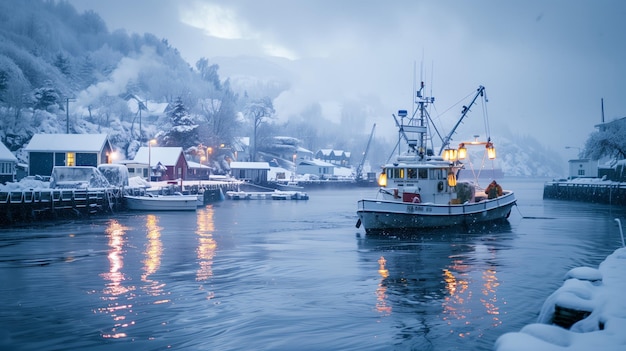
382, 305
152, 261
458, 304
206, 244
114, 277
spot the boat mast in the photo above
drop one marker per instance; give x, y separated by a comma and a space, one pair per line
417, 124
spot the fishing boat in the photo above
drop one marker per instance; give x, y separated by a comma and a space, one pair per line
420, 190
151, 202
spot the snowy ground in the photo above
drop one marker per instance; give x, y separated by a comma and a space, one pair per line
599, 291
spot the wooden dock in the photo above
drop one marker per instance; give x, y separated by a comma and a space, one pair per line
25, 206
30, 205
606, 192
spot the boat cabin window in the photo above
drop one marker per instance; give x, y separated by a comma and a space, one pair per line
437, 174
395, 173
423, 173
411, 173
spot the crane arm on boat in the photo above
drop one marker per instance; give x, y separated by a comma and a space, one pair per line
446, 141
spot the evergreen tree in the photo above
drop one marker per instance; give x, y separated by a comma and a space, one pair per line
46, 97
184, 131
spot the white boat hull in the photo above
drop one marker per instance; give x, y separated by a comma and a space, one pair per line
163, 203
382, 216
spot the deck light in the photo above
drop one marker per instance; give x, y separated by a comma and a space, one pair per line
451, 179
462, 151
450, 154
382, 179
491, 150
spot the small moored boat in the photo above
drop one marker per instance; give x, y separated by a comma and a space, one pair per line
151, 202
420, 189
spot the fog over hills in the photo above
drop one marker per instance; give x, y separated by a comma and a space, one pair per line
52, 57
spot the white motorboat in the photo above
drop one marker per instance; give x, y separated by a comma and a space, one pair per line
150, 202
420, 189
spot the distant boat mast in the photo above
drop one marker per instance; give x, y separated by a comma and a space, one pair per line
602, 106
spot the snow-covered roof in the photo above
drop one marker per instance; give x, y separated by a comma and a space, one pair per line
241, 143
333, 152
6, 154
326, 152
168, 156
67, 142
150, 107
249, 165
192, 164
302, 150
316, 162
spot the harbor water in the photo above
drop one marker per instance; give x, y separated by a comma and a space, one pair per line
290, 275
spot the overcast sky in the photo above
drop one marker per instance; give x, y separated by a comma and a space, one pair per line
545, 64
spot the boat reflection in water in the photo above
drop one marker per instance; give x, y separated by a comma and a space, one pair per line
450, 274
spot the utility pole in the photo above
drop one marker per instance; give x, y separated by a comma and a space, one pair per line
67, 113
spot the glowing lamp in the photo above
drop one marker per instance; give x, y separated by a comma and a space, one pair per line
462, 152
382, 179
491, 151
451, 179
450, 154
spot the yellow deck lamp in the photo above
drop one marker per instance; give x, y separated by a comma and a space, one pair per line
491, 150
450, 154
382, 179
451, 179
462, 151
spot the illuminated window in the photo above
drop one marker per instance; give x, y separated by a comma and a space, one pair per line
70, 159
411, 173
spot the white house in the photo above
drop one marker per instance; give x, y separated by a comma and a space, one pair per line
583, 168
316, 167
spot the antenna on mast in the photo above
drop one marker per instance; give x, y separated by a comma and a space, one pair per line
414, 89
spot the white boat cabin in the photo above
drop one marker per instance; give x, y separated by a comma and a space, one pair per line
433, 181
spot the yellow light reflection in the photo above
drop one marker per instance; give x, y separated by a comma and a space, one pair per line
114, 277
206, 244
381, 292
460, 304
152, 261
490, 299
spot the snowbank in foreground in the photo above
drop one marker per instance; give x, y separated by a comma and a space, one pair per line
600, 291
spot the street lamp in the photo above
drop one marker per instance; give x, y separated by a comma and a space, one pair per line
150, 142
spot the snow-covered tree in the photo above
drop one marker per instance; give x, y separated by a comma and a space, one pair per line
184, 130
609, 141
46, 97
